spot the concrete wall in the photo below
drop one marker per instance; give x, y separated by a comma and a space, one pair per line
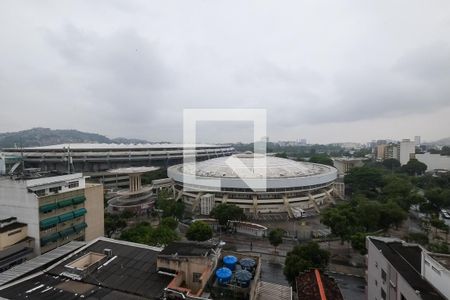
189, 266
94, 217
12, 236
15, 201
394, 285
375, 263
436, 274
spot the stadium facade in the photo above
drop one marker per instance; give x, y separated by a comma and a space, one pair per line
292, 186
100, 157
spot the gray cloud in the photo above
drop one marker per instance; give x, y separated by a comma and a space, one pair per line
132, 69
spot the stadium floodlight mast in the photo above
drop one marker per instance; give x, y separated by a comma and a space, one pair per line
259, 119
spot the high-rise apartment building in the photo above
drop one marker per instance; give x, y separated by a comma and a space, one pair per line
56, 209
407, 151
417, 140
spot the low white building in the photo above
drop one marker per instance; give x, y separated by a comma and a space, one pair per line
434, 161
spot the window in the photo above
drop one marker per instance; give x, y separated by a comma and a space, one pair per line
54, 189
383, 275
436, 270
73, 184
196, 277
14, 232
376, 282
383, 294
40, 192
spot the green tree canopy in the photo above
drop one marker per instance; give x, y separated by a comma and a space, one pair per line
358, 241
226, 212
113, 223
281, 155
364, 179
305, 257
144, 233
414, 167
199, 231
391, 163
169, 206
276, 237
169, 222
321, 159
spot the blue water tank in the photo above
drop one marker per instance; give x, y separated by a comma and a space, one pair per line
230, 262
247, 264
243, 278
223, 275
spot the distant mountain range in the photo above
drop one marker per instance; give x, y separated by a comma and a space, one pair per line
46, 136
442, 142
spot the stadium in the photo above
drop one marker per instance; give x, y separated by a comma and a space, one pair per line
291, 186
87, 157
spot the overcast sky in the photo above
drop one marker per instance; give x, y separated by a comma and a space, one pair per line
327, 71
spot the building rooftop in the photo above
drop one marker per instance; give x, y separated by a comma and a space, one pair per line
406, 259
188, 249
127, 272
52, 180
133, 170
314, 285
254, 166
270, 291
38, 263
443, 259
12, 226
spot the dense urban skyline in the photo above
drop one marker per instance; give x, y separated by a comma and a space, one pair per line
327, 72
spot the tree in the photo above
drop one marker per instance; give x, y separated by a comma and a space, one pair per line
417, 237
391, 164
162, 235
169, 222
341, 220
414, 167
395, 185
144, 233
199, 231
438, 224
304, 257
227, 212
170, 207
358, 241
281, 155
276, 237
392, 214
322, 159
445, 150
113, 223
365, 180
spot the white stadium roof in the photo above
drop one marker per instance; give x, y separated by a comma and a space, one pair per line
276, 167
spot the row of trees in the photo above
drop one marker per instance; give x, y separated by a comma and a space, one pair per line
145, 233
380, 199
352, 221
